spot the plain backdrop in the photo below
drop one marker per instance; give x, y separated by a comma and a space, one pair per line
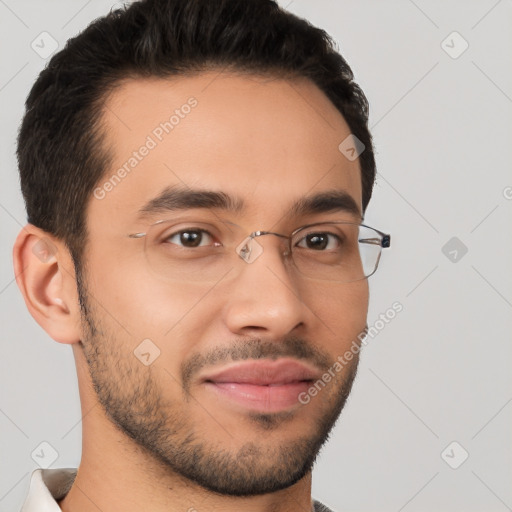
428, 424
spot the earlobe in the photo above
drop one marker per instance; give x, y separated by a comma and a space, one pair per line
45, 276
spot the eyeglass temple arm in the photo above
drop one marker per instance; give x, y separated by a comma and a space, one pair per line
384, 242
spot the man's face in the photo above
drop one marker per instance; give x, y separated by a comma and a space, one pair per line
226, 353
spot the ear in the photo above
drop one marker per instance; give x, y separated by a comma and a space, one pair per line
45, 275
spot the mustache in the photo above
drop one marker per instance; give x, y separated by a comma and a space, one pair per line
254, 348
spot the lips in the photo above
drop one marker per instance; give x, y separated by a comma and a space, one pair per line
264, 385
264, 373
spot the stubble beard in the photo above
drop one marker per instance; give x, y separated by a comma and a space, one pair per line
132, 400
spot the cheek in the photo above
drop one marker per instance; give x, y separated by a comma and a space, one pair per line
138, 304
150, 317
343, 309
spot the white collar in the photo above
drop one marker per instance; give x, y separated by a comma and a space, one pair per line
47, 486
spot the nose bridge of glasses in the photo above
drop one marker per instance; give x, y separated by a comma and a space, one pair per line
249, 249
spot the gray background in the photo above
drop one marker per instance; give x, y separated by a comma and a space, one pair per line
439, 372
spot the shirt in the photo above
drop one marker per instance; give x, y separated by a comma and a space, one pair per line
47, 486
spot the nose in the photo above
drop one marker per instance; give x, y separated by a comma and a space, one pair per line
265, 296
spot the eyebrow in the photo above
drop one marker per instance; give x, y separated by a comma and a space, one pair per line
176, 198
326, 202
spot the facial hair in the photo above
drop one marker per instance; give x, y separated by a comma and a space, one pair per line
133, 400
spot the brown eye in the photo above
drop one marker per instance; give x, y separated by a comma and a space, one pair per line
319, 241
190, 238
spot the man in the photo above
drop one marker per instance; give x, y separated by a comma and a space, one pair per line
196, 175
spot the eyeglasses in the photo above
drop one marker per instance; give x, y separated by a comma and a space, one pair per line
205, 250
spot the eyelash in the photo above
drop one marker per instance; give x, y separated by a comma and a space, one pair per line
167, 238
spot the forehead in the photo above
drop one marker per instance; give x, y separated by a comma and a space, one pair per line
268, 141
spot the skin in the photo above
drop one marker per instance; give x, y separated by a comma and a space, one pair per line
270, 142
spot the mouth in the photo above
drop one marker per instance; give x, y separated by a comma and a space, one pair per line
263, 385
